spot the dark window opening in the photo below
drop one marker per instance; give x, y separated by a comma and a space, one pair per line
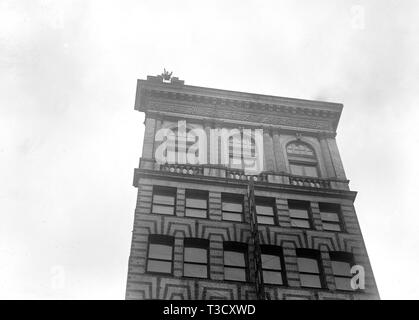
265, 210
299, 214
342, 262
273, 265
235, 261
195, 259
330, 214
196, 204
309, 268
160, 254
232, 207
164, 199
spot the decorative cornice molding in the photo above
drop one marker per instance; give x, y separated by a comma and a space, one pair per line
152, 93
248, 106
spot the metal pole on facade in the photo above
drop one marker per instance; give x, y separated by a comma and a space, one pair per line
260, 290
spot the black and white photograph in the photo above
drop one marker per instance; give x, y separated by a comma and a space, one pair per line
209, 150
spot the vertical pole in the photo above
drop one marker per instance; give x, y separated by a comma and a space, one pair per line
260, 290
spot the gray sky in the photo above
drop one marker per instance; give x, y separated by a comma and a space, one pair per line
70, 138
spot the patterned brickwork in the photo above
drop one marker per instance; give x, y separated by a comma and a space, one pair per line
284, 121
218, 231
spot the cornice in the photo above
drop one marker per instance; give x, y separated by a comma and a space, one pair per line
259, 185
153, 93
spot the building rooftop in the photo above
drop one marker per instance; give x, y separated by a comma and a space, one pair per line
156, 87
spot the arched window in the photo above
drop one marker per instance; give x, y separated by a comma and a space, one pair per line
179, 144
242, 150
302, 159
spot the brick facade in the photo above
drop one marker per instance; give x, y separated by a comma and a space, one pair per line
283, 120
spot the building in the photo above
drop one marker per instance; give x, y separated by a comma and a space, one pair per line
214, 231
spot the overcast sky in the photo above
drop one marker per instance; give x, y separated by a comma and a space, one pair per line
70, 138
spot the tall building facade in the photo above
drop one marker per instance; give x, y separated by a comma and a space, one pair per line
218, 231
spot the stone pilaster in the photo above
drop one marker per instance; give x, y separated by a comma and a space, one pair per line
283, 212
268, 152
149, 132
178, 257
315, 215
214, 206
330, 170
280, 160
336, 160
216, 257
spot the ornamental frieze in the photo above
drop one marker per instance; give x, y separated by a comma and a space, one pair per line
234, 113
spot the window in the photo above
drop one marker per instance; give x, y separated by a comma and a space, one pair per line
265, 210
232, 207
241, 148
303, 170
342, 263
302, 159
309, 268
160, 254
235, 256
235, 153
330, 213
164, 200
299, 213
181, 144
196, 203
273, 265
195, 260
